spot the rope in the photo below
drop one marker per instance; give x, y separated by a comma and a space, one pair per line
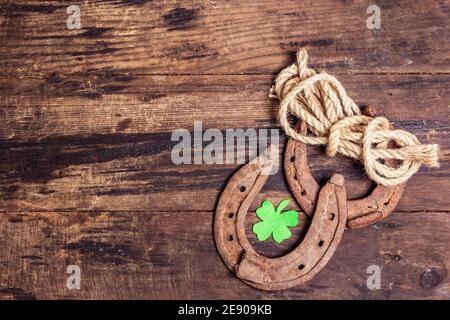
320, 101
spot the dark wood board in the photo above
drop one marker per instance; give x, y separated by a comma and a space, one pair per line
223, 37
171, 255
114, 149
86, 118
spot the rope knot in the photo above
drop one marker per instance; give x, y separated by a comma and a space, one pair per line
390, 157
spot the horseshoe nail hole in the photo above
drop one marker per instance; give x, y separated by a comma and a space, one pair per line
332, 215
231, 215
303, 193
295, 177
242, 189
292, 159
230, 237
321, 242
387, 202
301, 267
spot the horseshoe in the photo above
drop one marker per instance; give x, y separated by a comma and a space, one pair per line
361, 213
294, 268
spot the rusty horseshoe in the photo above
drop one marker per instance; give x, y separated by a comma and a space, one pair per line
361, 213
331, 213
294, 268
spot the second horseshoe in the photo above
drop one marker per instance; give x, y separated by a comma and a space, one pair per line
361, 213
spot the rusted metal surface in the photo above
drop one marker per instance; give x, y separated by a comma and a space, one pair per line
328, 207
294, 268
361, 212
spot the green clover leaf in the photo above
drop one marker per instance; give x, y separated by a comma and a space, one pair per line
274, 222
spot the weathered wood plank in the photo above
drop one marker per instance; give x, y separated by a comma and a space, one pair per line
137, 173
232, 37
172, 255
65, 150
56, 105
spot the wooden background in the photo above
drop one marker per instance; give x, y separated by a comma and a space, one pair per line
86, 118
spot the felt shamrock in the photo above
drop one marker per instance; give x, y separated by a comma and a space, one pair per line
274, 222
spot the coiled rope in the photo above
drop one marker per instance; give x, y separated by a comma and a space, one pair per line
320, 101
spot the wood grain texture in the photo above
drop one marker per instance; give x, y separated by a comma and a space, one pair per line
86, 117
60, 105
113, 151
166, 255
226, 37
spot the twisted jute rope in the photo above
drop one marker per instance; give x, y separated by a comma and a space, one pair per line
320, 101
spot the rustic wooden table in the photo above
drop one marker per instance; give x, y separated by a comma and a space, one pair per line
86, 117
